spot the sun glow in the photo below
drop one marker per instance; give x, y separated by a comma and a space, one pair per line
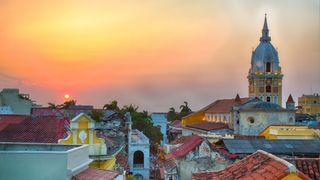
66, 96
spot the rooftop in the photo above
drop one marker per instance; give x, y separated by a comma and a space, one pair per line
17, 147
208, 126
275, 146
138, 137
222, 105
185, 148
5, 120
260, 165
308, 166
47, 129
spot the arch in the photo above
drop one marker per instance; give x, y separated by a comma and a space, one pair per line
268, 66
138, 177
138, 159
268, 99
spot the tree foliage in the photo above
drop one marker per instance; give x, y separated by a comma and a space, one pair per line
140, 120
184, 111
96, 115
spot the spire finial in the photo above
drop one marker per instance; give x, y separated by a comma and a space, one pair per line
265, 30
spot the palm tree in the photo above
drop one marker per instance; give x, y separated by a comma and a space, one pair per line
68, 104
52, 105
112, 106
131, 108
185, 108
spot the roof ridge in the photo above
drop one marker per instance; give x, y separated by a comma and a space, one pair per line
291, 167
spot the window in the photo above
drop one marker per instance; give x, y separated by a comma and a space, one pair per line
268, 85
250, 120
268, 67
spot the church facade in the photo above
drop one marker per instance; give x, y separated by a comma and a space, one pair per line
265, 76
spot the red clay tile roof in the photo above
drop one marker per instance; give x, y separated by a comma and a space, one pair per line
290, 99
185, 148
48, 129
308, 166
5, 120
222, 105
208, 126
223, 151
96, 174
260, 165
181, 140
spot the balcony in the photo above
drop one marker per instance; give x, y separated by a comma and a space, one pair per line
138, 166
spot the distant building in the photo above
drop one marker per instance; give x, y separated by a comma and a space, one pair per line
306, 119
207, 128
290, 132
265, 76
48, 161
160, 119
253, 116
5, 110
309, 104
193, 155
19, 103
218, 111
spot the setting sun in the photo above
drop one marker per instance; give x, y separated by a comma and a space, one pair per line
66, 96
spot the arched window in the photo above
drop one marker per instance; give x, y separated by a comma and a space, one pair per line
268, 67
138, 158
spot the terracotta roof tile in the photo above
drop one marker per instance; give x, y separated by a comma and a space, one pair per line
47, 129
185, 148
208, 126
181, 140
260, 165
96, 174
222, 105
5, 120
308, 166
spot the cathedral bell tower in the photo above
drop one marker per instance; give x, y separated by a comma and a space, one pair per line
265, 77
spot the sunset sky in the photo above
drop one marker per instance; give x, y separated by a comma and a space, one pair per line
155, 54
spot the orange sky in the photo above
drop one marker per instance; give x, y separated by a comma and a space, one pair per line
155, 54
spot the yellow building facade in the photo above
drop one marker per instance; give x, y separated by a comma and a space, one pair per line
309, 104
290, 132
196, 117
83, 132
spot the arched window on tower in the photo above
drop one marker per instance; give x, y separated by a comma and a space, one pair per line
268, 67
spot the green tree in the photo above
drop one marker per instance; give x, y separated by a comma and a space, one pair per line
52, 105
172, 114
68, 104
113, 105
185, 110
96, 115
142, 122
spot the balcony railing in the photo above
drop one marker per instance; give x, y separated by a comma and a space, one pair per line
138, 166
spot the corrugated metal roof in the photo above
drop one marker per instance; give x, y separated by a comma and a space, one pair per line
277, 146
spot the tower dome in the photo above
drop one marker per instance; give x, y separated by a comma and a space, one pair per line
265, 77
265, 56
